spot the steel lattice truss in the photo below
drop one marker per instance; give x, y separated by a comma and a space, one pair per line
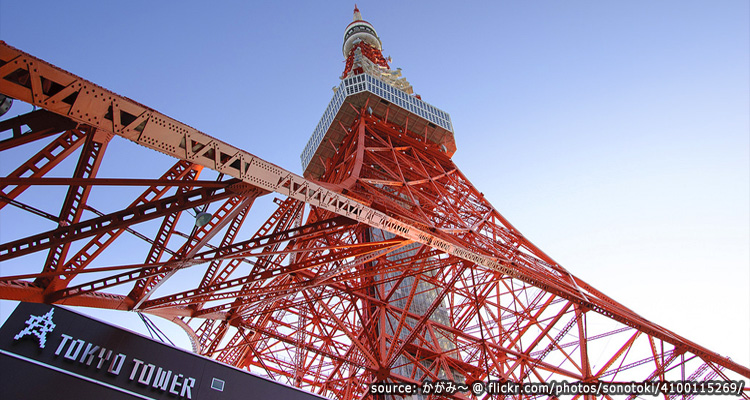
392, 267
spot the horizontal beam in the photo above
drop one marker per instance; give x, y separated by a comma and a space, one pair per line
107, 182
123, 218
41, 123
29, 292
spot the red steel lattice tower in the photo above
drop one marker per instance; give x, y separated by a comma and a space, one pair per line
382, 264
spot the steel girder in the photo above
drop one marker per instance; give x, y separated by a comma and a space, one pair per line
398, 270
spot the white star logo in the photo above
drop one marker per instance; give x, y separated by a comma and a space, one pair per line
39, 326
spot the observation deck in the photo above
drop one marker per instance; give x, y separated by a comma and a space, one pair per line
354, 92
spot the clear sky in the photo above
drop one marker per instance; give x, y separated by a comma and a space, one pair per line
614, 135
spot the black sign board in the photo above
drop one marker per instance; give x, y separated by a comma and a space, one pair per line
50, 352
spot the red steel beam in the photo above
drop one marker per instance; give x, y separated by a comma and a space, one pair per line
42, 162
76, 197
127, 217
41, 124
106, 182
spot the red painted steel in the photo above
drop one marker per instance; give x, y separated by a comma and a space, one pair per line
316, 297
368, 51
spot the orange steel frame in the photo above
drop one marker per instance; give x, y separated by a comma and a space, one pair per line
316, 297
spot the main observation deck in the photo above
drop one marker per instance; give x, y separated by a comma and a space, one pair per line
403, 109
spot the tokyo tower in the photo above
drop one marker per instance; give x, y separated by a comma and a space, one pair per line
381, 264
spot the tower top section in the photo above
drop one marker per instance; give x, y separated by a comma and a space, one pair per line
363, 51
360, 31
369, 85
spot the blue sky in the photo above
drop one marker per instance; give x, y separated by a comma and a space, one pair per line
614, 135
